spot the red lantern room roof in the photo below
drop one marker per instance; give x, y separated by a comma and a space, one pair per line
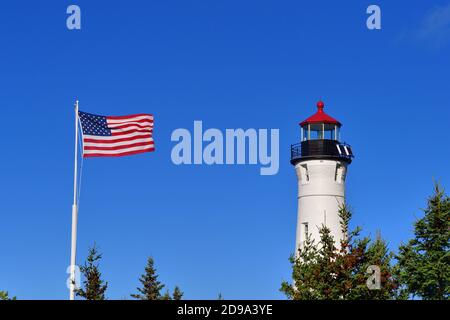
320, 117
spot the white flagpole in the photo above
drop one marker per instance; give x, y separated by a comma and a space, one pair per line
74, 213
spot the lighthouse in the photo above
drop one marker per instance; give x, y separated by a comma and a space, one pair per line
321, 161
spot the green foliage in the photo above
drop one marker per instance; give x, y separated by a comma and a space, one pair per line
424, 262
374, 253
151, 287
166, 296
323, 271
94, 287
4, 295
177, 294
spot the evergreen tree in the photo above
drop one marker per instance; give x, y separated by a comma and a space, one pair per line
4, 295
323, 271
151, 287
94, 287
376, 254
424, 262
166, 296
177, 293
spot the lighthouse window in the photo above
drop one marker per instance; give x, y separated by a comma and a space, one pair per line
338, 166
304, 134
316, 131
319, 131
305, 229
329, 131
339, 175
305, 174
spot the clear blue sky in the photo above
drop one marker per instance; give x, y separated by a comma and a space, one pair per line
231, 64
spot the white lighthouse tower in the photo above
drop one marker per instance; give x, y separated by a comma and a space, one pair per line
320, 161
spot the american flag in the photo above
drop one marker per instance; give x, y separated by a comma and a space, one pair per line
115, 136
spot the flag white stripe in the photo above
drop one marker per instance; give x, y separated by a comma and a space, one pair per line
146, 147
146, 123
146, 117
121, 136
130, 128
116, 144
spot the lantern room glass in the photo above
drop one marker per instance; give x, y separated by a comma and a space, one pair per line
320, 131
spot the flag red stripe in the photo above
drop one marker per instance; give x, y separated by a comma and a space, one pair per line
122, 126
129, 116
118, 154
118, 139
120, 132
126, 146
150, 121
